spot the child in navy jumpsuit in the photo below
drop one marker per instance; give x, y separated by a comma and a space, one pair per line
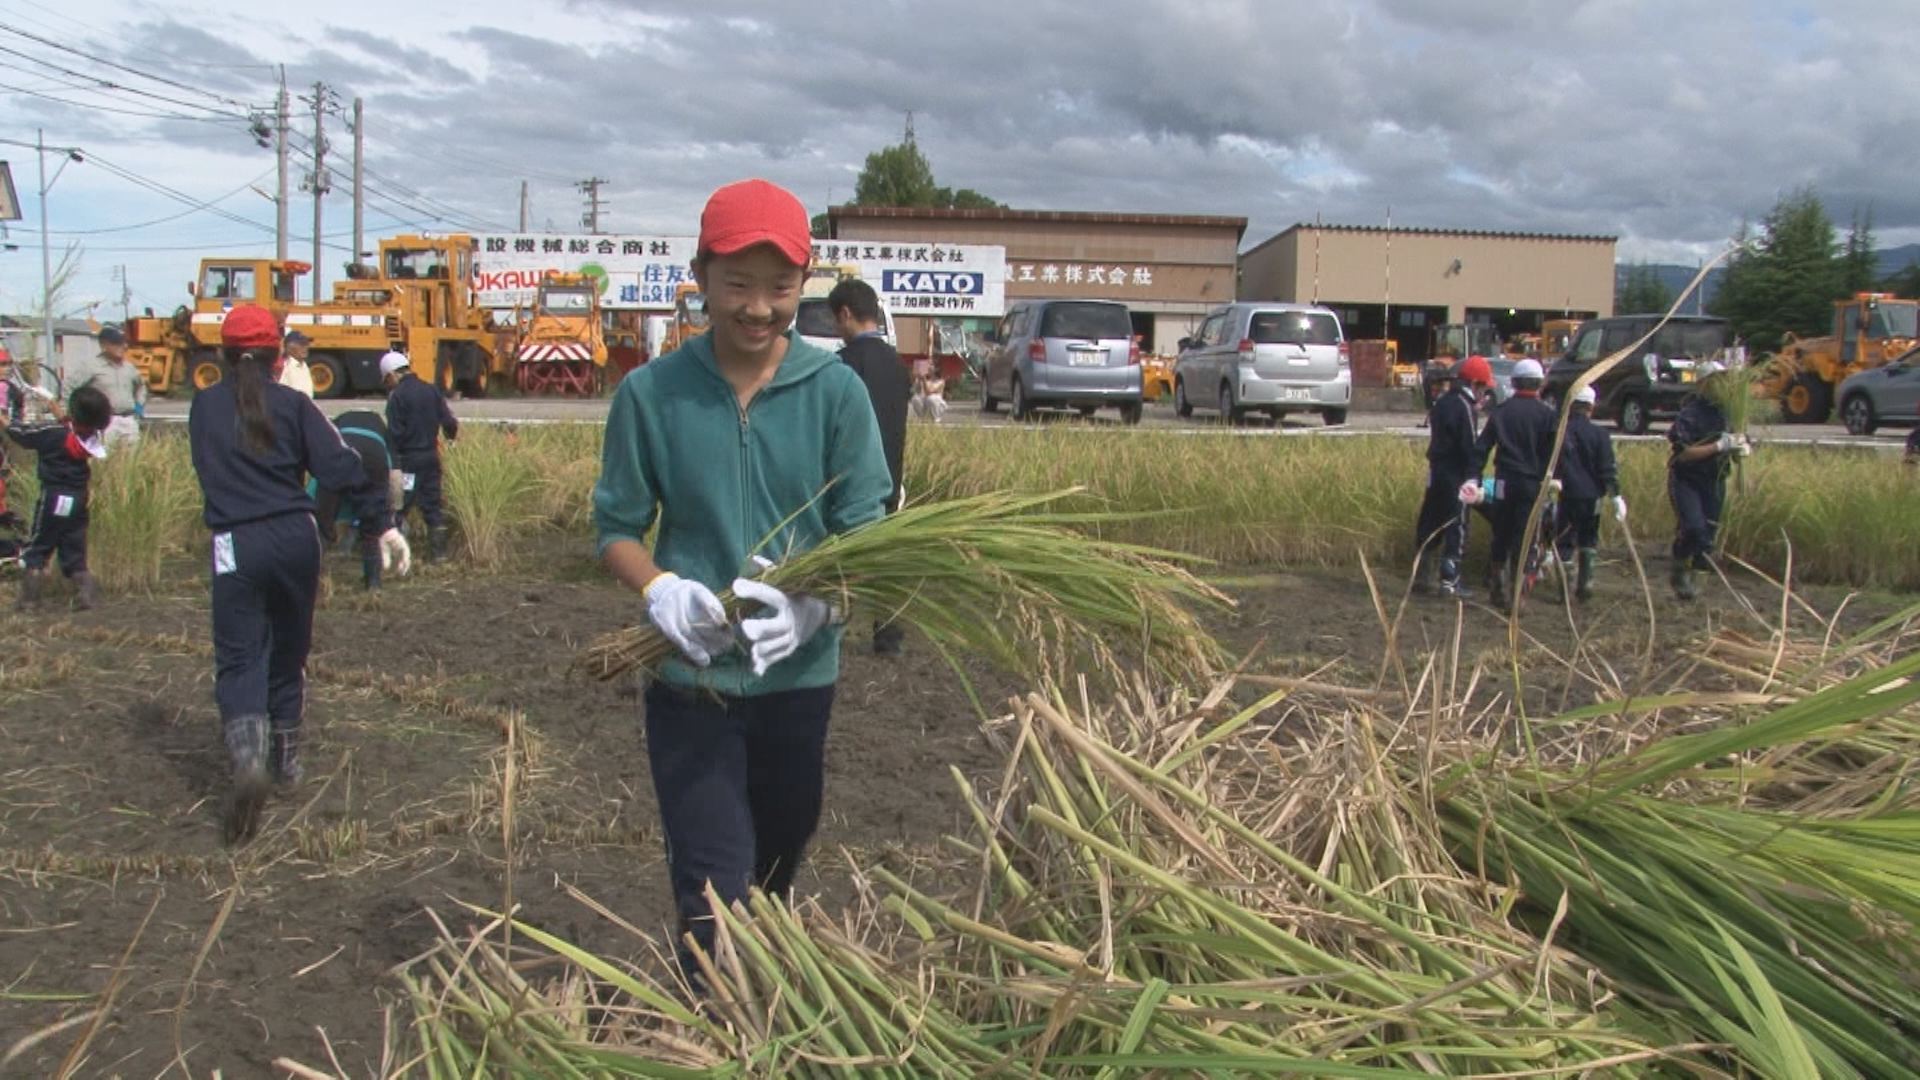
253, 443
65, 449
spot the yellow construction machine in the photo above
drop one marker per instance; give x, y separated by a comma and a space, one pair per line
561, 347
689, 317
1869, 329
417, 298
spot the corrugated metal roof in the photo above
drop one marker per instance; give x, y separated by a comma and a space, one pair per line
1070, 217
1412, 231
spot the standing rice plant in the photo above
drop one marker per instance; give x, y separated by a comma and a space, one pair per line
145, 509
492, 488
567, 459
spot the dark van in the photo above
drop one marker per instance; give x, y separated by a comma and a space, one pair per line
1649, 385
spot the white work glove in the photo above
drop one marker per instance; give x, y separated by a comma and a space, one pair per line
690, 616
1555, 486
1619, 508
791, 621
1732, 443
1745, 448
395, 555
1470, 493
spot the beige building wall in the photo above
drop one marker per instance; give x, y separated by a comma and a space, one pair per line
1454, 270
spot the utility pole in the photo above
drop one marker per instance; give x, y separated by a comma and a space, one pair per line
48, 361
318, 182
126, 293
359, 185
591, 186
281, 121
523, 206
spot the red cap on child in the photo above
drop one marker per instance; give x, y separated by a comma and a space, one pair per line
250, 326
751, 212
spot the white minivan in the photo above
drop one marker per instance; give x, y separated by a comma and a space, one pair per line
814, 322
1272, 357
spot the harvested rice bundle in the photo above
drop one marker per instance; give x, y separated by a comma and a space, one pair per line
997, 574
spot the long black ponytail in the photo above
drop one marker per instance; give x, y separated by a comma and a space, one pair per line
249, 368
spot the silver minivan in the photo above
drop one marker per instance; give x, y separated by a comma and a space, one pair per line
1278, 358
1069, 353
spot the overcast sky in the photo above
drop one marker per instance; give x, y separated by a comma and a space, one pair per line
1664, 122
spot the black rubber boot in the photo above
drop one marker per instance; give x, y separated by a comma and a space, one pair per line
1426, 570
1497, 588
437, 543
1681, 578
1589, 562
370, 571
89, 589
31, 584
283, 755
247, 749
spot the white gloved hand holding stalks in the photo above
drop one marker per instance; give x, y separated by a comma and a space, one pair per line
1733, 443
1470, 493
690, 616
1619, 508
395, 555
789, 623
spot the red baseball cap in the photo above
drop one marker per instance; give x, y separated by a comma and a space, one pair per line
250, 326
751, 212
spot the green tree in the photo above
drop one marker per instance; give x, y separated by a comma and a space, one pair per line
896, 176
1857, 261
1642, 292
901, 176
1785, 280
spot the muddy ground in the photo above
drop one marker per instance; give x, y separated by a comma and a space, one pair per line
113, 879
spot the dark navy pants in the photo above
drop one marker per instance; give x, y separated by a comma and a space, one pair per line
59, 530
1510, 513
1443, 522
1696, 510
265, 576
1579, 525
740, 782
425, 492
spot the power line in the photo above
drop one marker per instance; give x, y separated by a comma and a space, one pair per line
50, 43
112, 109
162, 220
107, 84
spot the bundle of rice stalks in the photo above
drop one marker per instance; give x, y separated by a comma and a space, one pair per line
1756, 883
999, 575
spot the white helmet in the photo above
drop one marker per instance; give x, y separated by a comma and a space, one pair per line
1585, 396
393, 362
1529, 369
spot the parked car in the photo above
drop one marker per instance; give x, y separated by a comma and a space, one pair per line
1649, 385
1077, 354
1275, 357
1889, 394
814, 321
1502, 367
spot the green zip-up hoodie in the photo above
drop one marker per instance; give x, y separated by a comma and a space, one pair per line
721, 479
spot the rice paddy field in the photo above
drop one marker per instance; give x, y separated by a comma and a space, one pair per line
1356, 835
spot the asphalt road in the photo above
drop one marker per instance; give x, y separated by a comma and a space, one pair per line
1159, 417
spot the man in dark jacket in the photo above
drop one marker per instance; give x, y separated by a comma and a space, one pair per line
1519, 439
1451, 429
417, 415
1587, 472
856, 314
1702, 449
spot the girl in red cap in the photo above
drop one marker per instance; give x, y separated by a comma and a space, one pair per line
253, 442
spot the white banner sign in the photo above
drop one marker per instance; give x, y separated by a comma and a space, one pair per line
916, 277
634, 271
912, 277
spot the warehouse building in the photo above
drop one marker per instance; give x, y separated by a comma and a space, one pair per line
1403, 282
1169, 269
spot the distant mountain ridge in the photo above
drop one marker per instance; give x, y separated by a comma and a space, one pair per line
1675, 276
